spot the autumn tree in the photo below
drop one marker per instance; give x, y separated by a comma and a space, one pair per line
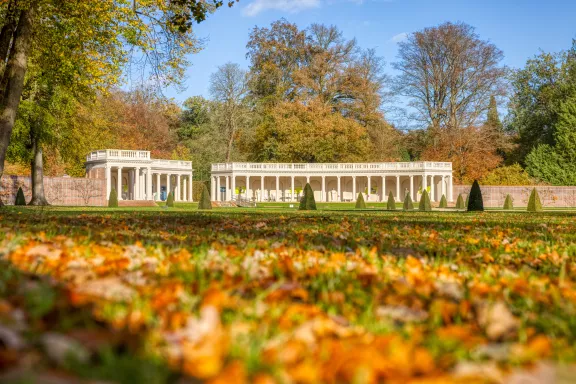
449, 74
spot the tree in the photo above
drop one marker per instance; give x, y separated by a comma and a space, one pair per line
391, 203
507, 175
113, 199
20, 199
425, 204
308, 203
508, 203
205, 202
460, 202
170, 199
443, 202
475, 202
534, 203
408, 205
493, 119
360, 203
228, 86
449, 74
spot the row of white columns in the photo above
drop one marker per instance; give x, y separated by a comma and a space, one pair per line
140, 184
230, 186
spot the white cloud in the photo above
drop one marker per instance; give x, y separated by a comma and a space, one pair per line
291, 6
399, 37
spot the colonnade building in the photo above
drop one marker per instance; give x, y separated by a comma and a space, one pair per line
331, 182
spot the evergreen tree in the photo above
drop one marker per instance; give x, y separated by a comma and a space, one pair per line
493, 119
443, 202
467, 200
534, 204
360, 203
508, 203
408, 205
391, 204
475, 202
308, 203
170, 199
425, 204
113, 199
205, 202
20, 199
460, 202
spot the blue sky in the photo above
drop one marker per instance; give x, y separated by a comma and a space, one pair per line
519, 27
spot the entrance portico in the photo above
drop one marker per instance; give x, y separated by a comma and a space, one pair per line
136, 176
338, 182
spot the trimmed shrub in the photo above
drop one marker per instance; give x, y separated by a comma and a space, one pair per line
20, 199
408, 205
467, 201
170, 199
391, 204
460, 202
205, 202
308, 203
534, 203
425, 202
113, 199
197, 189
508, 203
475, 202
443, 202
360, 203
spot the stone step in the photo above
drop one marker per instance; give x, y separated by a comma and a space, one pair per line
136, 203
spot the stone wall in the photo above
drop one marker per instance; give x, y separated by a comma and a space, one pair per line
494, 196
59, 190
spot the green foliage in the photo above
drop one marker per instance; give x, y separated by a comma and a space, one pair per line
467, 201
508, 203
507, 175
443, 202
475, 202
425, 204
20, 198
408, 205
170, 199
205, 202
360, 203
460, 202
493, 119
391, 204
113, 199
534, 203
197, 188
308, 203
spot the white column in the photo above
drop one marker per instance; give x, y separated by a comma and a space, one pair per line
261, 188
168, 190
442, 186
323, 189
158, 186
108, 181
149, 184
424, 182
307, 179
184, 189
178, 188
354, 188
383, 188
233, 188
398, 188
277, 197
369, 189
131, 184
432, 197
228, 188
450, 189
247, 187
213, 188
190, 182
119, 184
339, 190
218, 194
137, 181
292, 197
412, 187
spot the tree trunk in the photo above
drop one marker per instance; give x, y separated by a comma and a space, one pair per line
14, 76
37, 166
6, 33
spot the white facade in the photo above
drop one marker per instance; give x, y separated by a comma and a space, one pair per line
140, 177
333, 182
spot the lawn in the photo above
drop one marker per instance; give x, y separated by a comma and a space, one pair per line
273, 295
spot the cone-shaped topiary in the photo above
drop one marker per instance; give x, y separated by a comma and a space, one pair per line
113, 199
170, 199
360, 203
467, 200
443, 202
308, 203
460, 202
408, 205
205, 202
391, 204
508, 203
425, 202
20, 199
534, 203
475, 202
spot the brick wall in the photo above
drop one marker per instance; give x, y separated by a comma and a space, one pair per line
494, 196
59, 190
